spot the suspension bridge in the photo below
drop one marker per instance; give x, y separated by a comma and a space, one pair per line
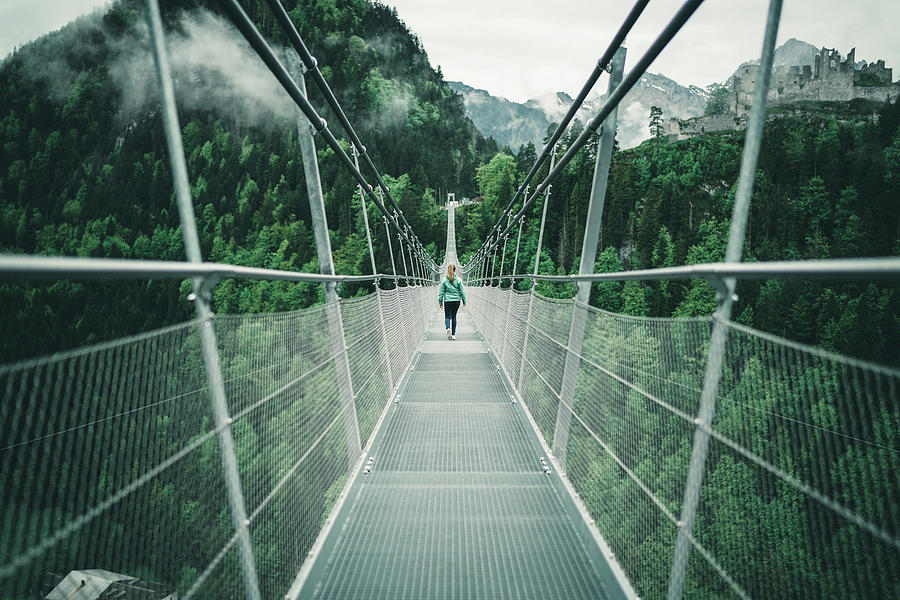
349, 450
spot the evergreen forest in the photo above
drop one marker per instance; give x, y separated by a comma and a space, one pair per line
826, 187
84, 171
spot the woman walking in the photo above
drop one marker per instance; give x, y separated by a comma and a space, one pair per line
449, 296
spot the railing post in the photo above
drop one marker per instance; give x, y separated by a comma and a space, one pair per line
365, 213
482, 269
494, 258
493, 319
414, 259
512, 284
387, 232
525, 341
586, 267
403, 256
715, 359
201, 295
503, 258
499, 288
421, 262
362, 201
419, 273
537, 253
413, 262
518, 242
537, 262
326, 267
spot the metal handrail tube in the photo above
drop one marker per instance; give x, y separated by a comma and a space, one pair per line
835, 268
674, 26
601, 66
67, 267
264, 51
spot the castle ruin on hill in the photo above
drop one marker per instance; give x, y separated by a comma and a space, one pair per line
831, 79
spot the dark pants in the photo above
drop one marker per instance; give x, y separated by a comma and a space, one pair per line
450, 308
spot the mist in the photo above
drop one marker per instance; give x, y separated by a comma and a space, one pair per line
213, 69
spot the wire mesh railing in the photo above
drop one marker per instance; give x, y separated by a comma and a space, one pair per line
206, 456
717, 461
800, 496
109, 457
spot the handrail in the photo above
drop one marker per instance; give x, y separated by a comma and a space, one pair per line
837, 268
65, 267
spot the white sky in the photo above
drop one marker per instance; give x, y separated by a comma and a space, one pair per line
523, 48
24, 20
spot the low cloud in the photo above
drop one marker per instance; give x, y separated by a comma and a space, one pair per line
633, 125
213, 68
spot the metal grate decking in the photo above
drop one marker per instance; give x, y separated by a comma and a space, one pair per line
457, 504
461, 364
455, 437
475, 387
440, 334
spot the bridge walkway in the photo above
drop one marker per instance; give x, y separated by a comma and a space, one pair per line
457, 503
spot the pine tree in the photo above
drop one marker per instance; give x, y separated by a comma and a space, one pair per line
656, 125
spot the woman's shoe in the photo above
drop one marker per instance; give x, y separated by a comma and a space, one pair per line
449, 335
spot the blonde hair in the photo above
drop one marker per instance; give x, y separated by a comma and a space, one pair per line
451, 272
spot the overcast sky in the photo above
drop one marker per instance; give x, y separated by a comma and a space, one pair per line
523, 48
24, 20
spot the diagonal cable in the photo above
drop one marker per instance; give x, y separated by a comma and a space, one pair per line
674, 26
601, 66
245, 25
312, 66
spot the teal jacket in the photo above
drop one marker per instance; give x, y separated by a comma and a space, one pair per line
451, 291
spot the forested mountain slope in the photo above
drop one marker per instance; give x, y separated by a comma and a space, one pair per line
84, 170
827, 186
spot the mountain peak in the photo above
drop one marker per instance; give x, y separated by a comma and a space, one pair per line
554, 105
514, 124
790, 53
795, 52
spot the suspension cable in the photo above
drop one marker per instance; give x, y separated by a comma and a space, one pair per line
312, 65
601, 66
673, 27
267, 55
